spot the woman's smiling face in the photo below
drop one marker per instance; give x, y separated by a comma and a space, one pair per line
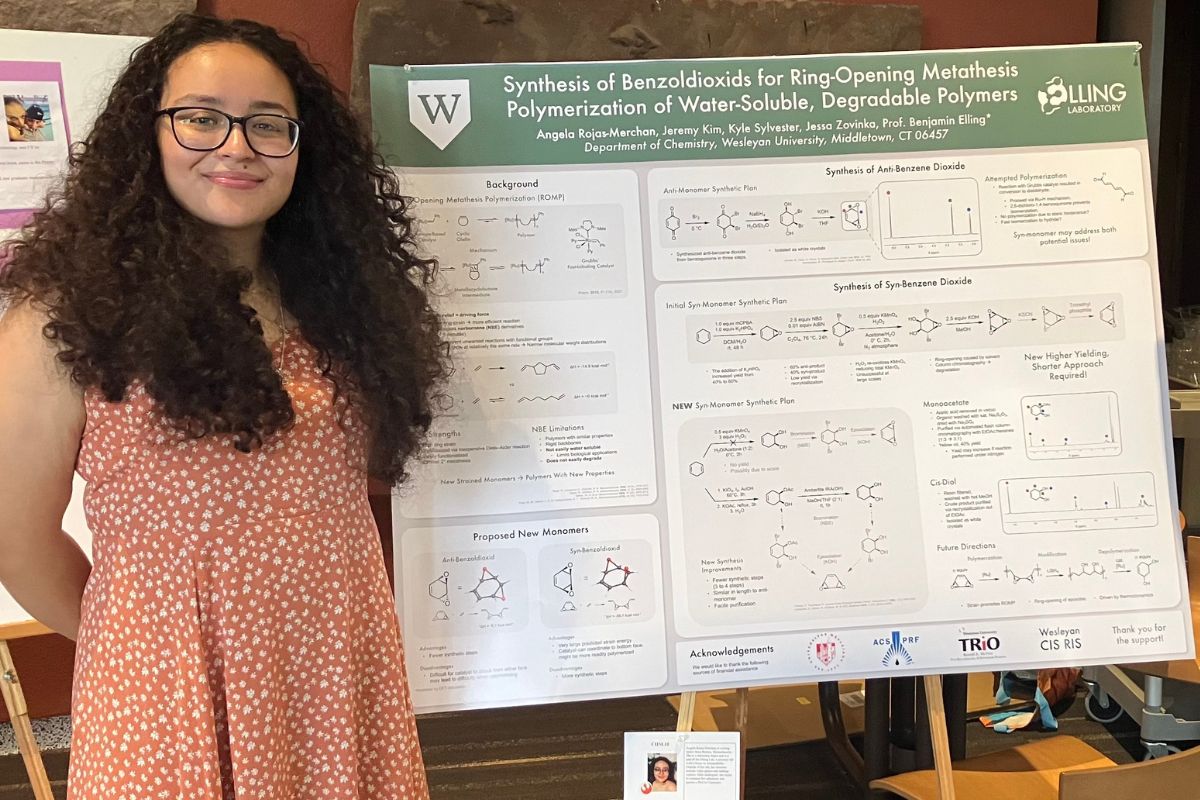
231, 187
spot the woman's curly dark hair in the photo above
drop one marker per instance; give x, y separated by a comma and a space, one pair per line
136, 289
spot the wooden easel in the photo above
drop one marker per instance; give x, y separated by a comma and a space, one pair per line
741, 715
937, 730
14, 701
941, 739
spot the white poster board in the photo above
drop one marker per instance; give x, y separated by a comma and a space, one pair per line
773, 370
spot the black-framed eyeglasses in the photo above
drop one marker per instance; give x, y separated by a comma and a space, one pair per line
203, 129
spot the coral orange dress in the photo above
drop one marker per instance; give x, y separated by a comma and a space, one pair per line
238, 636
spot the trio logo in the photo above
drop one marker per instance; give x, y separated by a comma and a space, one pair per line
440, 109
897, 653
979, 645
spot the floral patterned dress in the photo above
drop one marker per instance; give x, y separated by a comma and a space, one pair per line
238, 637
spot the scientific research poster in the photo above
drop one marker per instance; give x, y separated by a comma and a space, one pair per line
773, 370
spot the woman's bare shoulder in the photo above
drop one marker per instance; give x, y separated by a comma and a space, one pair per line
30, 364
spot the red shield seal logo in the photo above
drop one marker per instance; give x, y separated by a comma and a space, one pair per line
826, 652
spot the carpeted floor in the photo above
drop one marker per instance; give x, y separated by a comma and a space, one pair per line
574, 750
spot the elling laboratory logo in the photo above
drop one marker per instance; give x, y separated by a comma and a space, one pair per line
439, 109
1053, 95
1081, 98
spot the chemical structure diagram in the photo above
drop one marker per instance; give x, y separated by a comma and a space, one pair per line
540, 368
1103, 180
780, 551
820, 527
778, 497
832, 436
832, 581
1050, 318
1083, 570
488, 587
789, 221
866, 492
613, 571
606, 591
584, 235
520, 222
544, 398
538, 267
725, 222
1039, 494
475, 269
771, 439
1038, 410
1087, 570
854, 215
840, 330
673, 223
871, 544
1024, 577
811, 333
564, 580
776, 218
439, 589
925, 325
888, 433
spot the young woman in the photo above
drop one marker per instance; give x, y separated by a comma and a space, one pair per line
220, 322
662, 775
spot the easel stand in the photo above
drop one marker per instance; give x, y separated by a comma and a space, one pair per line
14, 701
741, 715
939, 736
936, 721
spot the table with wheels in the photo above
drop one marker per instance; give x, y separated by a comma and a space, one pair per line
1114, 690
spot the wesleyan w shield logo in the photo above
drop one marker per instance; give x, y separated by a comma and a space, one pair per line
439, 109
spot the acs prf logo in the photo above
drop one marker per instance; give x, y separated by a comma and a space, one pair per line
439, 109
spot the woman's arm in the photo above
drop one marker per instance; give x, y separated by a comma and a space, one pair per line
41, 422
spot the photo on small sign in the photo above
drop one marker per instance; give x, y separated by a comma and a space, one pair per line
36, 141
662, 773
29, 118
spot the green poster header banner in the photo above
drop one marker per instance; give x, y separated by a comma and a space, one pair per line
627, 111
